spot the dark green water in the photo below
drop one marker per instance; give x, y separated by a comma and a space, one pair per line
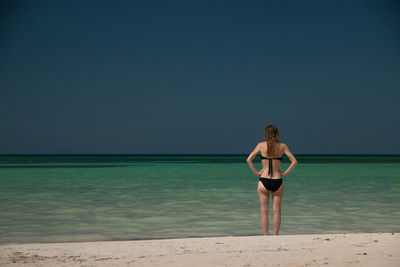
57, 198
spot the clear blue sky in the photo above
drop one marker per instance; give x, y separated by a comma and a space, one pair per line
199, 76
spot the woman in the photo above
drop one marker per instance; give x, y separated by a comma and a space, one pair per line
270, 175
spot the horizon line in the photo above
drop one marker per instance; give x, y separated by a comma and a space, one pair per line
186, 154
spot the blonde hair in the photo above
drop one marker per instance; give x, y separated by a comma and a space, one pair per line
272, 137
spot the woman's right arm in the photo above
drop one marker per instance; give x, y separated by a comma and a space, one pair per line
291, 158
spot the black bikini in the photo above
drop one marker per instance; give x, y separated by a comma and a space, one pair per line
270, 163
270, 183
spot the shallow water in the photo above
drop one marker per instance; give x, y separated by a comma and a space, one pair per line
93, 197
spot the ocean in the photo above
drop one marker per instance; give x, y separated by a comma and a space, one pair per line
72, 198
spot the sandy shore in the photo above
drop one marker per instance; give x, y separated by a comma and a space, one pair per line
369, 249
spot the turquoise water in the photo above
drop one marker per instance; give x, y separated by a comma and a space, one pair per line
59, 198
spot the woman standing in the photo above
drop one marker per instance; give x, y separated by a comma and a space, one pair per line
271, 152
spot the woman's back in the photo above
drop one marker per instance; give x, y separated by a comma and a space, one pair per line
271, 161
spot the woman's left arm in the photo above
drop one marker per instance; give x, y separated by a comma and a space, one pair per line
250, 160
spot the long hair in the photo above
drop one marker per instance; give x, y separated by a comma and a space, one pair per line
272, 138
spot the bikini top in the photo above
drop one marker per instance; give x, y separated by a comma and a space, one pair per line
270, 163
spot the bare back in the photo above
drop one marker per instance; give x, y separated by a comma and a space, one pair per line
276, 164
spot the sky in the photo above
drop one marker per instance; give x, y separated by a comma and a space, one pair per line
199, 77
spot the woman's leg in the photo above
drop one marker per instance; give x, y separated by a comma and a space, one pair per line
263, 193
277, 200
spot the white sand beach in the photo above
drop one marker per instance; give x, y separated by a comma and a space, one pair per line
362, 249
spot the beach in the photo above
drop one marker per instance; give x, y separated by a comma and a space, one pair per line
350, 249
116, 211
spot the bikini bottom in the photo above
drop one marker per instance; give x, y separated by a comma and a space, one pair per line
271, 184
